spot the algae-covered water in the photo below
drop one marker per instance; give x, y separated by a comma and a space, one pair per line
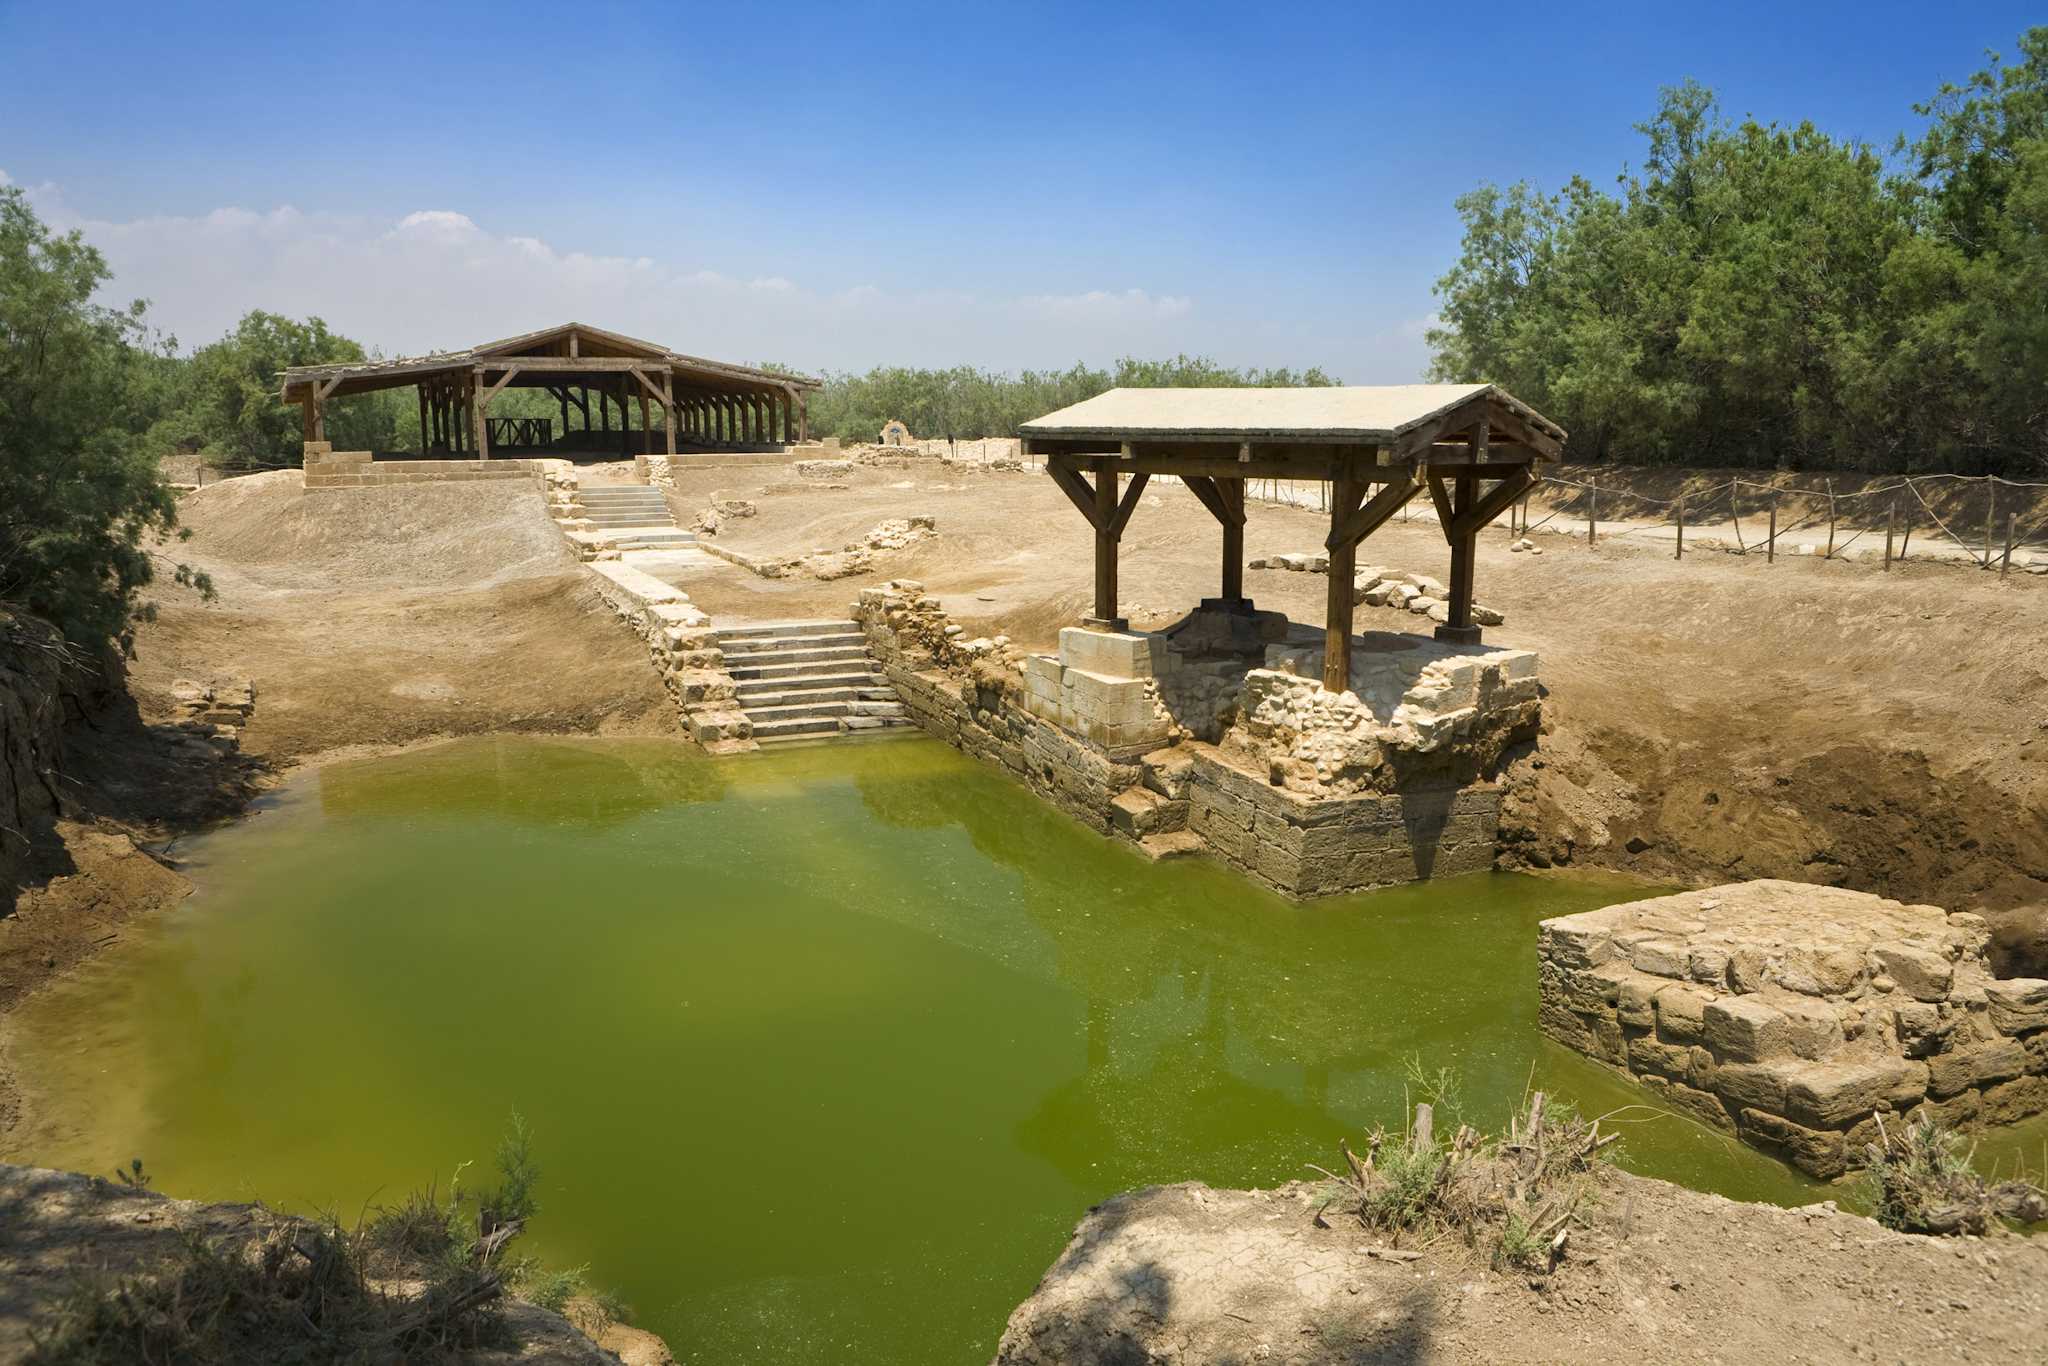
824, 1050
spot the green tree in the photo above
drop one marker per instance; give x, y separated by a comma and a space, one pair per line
1759, 294
229, 407
82, 506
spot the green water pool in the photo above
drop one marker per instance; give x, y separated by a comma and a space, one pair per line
824, 1050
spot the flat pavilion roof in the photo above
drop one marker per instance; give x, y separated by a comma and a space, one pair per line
1372, 413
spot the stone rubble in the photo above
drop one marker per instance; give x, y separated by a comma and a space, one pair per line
213, 713
1376, 587
1799, 1018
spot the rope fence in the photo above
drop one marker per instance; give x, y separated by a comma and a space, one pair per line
1994, 549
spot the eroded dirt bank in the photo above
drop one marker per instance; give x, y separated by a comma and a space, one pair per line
1711, 719
1183, 1273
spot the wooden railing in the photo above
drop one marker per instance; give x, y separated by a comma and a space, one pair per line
520, 431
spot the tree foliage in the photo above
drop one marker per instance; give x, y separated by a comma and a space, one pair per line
225, 401
82, 505
1763, 295
967, 403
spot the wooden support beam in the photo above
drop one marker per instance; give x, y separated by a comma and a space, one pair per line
503, 380
1105, 551
669, 416
1076, 487
1464, 538
1514, 485
479, 423
1225, 500
1361, 522
1129, 502
1338, 612
424, 444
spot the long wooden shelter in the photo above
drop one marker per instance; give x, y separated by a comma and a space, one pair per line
1475, 447
703, 403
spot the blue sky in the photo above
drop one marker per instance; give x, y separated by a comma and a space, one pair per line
844, 185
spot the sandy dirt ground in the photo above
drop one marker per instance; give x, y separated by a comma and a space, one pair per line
1712, 719
385, 616
1187, 1274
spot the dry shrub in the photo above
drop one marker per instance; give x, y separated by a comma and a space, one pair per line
1516, 1194
1920, 1180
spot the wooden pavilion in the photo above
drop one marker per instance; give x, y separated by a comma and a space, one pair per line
1474, 446
704, 404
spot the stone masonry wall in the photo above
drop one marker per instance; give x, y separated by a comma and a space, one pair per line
327, 468
1100, 744
1799, 1018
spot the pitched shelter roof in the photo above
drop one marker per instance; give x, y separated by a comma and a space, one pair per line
580, 343
1379, 413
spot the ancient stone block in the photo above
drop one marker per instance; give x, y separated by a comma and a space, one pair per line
1837, 1093
1974, 1065
2012, 1101
2018, 1005
1746, 1029
1680, 1014
1824, 1155
1661, 957
1575, 942
1920, 973
1117, 654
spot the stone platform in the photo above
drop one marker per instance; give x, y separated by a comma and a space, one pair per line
1202, 739
1795, 1016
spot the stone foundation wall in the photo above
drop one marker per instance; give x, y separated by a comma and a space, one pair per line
1309, 847
1100, 743
1799, 1017
327, 468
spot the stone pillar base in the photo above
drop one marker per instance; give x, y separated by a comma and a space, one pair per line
1107, 623
1458, 635
1237, 607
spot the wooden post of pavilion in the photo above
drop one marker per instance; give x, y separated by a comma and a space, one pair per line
1105, 551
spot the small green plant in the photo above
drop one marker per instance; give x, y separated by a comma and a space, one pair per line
133, 1176
1919, 1179
1517, 1192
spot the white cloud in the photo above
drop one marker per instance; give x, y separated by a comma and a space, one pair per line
438, 278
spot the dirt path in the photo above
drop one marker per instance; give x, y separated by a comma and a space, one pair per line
1187, 1274
1714, 718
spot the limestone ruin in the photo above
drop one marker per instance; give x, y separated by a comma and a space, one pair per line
1800, 1018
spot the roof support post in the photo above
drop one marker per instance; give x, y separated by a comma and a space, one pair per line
1105, 617
803, 417
669, 413
478, 415
1224, 497
1338, 613
425, 446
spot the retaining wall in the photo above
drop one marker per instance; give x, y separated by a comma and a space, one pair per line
1799, 1018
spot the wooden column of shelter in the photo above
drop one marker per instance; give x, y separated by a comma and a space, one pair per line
1109, 515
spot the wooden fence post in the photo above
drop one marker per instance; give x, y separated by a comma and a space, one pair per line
2005, 565
1771, 537
1592, 509
1831, 521
1990, 513
1891, 521
1681, 531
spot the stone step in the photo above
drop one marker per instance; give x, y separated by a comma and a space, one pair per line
753, 629
796, 726
1172, 844
748, 647
789, 653
648, 500
629, 519
836, 678
840, 662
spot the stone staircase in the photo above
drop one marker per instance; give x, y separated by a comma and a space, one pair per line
632, 517
808, 679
